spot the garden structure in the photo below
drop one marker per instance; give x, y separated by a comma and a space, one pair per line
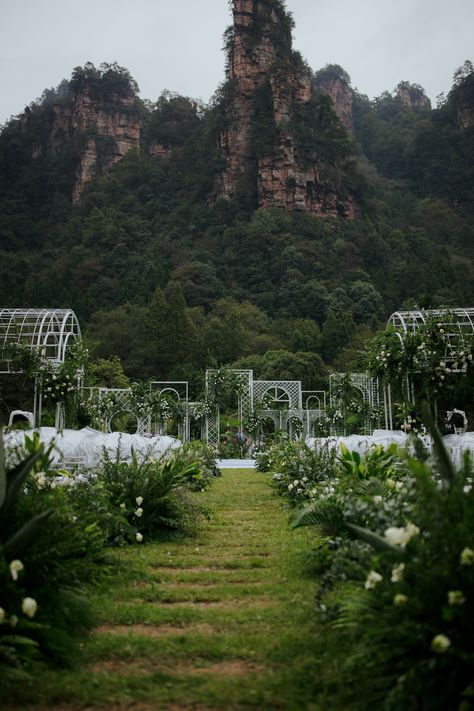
282, 403
36, 342
353, 398
146, 409
423, 354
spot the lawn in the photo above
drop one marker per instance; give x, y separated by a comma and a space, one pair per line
224, 620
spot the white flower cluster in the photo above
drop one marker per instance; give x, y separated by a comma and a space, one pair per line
139, 514
29, 606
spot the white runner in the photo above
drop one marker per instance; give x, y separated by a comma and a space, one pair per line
236, 463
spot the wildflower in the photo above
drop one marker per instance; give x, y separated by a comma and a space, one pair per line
456, 597
139, 537
391, 483
397, 573
139, 500
2, 615
467, 556
139, 512
377, 499
400, 599
440, 643
16, 566
373, 579
29, 607
290, 487
123, 507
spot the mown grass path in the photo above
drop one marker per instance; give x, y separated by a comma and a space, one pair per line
221, 621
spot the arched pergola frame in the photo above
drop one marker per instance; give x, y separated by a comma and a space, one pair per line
457, 324
457, 328
48, 333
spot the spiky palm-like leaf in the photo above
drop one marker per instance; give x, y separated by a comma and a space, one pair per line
328, 519
372, 487
22, 537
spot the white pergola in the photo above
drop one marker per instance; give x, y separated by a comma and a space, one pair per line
48, 332
457, 324
458, 332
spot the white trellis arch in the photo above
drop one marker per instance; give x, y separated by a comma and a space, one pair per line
458, 331
179, 390
365, 384
457, 324
285, 395
48, 332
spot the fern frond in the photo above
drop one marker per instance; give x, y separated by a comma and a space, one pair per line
328, 519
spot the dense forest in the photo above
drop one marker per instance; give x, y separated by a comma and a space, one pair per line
171, 280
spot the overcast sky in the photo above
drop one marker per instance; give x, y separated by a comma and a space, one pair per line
176, 44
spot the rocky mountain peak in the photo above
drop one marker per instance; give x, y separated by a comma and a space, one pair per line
270, 96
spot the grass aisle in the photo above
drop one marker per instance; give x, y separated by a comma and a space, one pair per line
221, 621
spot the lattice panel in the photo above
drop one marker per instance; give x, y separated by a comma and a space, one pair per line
291, 388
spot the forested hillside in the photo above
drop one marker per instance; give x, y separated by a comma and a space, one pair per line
172, 277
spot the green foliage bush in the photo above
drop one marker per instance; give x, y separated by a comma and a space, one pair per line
296, 468
49, 556
142, 500
394, 555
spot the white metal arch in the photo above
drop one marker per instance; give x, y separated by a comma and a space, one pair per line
47, 331
457, 326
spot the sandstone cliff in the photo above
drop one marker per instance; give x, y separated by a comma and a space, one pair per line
335, 82
270, 94
412, 95
99, 116
109, 131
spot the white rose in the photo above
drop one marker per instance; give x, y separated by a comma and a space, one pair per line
401, 536
400, 599
29, 607
2, 615
139, 537
16, 566
397, 573
456, 597
373, 579
440, 643
139, 512
139, 500
467, 556
377, 499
